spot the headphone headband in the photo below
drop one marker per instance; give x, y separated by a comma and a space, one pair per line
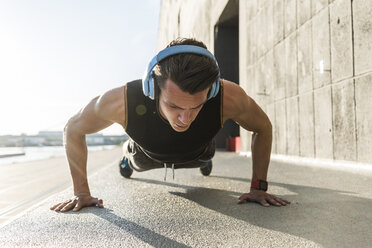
148, 86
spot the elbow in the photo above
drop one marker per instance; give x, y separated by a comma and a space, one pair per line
67, 132
71, 131
265, 129
268, 128
68, 126
71, 127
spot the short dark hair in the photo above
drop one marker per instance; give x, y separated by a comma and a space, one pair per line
191, 72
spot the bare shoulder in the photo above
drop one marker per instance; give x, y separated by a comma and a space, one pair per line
111, 106
233, 98
241, 108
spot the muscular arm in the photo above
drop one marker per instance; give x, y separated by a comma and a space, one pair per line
239, 107
245, 112
98, 114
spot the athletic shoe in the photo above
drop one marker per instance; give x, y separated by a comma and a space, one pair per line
207, 168
125, 169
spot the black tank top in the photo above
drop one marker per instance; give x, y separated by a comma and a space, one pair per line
156, 137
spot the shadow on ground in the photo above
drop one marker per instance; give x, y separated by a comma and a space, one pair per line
146, 235
327, 217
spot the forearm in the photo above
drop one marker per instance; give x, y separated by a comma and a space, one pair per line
76, 151
261, 150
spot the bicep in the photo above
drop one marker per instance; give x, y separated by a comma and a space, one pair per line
87, 120
251, 117
244, 110
101, 112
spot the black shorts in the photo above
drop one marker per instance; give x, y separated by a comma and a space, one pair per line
140, 161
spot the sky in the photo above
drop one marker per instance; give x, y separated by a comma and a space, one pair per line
55, 56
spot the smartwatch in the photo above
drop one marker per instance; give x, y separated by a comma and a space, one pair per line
259, 184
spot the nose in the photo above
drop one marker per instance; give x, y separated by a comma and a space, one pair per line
184, 117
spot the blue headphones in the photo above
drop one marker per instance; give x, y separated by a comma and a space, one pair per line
148, 82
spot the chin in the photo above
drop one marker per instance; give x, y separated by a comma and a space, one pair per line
180, 129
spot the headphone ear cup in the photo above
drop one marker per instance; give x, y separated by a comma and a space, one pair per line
211, 92
217, 88
155, 86
152, 86
145, 87
214, 90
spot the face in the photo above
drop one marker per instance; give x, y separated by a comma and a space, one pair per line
179, 107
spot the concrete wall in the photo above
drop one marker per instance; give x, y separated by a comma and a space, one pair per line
306, 62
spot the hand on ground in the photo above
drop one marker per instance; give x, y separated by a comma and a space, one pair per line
76, 203
262, 198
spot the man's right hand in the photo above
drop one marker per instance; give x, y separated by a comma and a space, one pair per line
77, 202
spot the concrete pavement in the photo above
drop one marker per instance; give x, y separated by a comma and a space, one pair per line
23, 185
329, 209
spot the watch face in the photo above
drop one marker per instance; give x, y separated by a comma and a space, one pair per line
263, 185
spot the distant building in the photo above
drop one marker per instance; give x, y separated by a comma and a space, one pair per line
50, 133
55, 138
95, 139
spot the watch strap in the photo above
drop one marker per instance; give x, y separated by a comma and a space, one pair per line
259, 185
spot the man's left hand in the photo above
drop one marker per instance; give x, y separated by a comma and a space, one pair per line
262, 198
